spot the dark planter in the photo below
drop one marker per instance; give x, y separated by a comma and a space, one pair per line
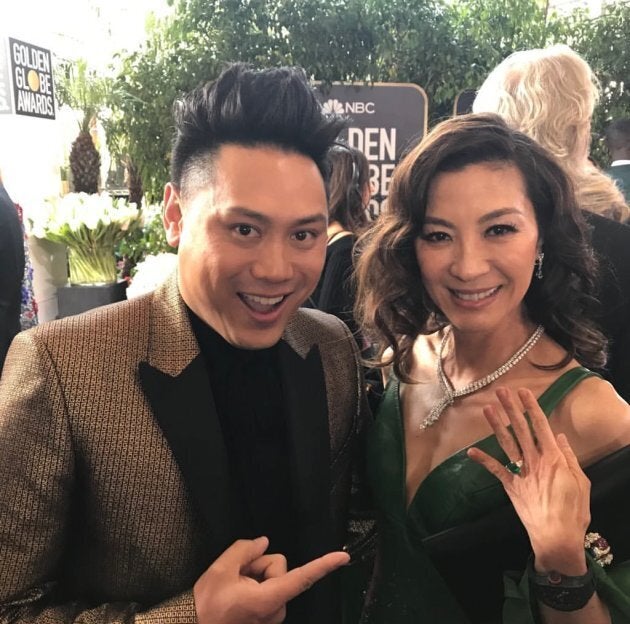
77, 298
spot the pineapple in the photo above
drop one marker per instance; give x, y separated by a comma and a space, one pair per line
135, 184
85, 163
83, 90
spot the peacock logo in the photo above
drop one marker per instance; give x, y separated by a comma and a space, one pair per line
333, 106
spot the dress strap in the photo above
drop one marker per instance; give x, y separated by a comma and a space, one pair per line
550, 398
337, 235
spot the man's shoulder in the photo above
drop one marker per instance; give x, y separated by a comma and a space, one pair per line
10, 227
318, 319
308, 328
317, 326
125, 317
619, 168
609, 237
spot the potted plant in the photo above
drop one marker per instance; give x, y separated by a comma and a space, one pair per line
90, 226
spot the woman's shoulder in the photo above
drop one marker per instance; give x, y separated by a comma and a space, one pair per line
424, 352
595, 419
340, 250
426, 349
341, 242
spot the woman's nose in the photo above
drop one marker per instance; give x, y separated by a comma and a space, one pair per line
469, 261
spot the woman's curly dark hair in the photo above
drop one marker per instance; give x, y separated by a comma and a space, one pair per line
392, 304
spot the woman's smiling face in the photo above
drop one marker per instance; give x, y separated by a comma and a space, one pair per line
478, 246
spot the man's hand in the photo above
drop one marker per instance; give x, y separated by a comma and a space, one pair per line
245, 586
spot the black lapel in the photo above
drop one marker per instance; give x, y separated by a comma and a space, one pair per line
185, 411
304, 392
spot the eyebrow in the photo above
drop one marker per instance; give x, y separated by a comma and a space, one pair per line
495, 214
247, 213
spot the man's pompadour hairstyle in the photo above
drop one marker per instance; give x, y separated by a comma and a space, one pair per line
252, 107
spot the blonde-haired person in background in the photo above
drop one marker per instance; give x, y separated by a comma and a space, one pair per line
550, 94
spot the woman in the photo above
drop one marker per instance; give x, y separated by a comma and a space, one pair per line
476, 283
550, 95
349, 195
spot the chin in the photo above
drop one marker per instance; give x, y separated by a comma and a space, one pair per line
471, 325
254, 343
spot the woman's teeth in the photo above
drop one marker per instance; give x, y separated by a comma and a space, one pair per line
475, 296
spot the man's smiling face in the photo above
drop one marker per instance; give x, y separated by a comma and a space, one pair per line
252, 242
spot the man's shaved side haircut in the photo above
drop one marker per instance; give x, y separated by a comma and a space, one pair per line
248, 107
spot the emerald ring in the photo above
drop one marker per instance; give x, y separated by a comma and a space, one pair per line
515, 466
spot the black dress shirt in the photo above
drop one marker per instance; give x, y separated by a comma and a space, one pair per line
247, 392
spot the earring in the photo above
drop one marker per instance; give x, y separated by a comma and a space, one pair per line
538, 264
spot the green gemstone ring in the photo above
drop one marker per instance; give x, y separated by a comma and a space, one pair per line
515, 466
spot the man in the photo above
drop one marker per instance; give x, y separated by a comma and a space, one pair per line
618, 143
147, 447
11, 272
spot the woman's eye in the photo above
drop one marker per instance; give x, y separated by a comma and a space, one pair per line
500, 230
435, 237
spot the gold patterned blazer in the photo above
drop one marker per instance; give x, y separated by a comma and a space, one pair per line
113, 471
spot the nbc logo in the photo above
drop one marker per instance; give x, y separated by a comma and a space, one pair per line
333, 106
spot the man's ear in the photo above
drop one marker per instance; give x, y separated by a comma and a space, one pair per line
172, 218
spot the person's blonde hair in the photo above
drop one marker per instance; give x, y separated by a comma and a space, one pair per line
550, 95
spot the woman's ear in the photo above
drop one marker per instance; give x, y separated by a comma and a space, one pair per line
172, 218
366, 193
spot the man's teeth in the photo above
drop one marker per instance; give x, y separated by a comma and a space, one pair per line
264, 300
475, 296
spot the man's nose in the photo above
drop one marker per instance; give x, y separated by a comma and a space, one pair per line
273, 262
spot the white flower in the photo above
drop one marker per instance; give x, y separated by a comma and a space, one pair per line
81, 220
150, 273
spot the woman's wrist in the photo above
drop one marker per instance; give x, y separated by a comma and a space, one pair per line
566, 557
559, 591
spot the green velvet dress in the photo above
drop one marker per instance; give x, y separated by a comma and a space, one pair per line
426, 573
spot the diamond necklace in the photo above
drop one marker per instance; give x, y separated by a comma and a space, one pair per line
450, 394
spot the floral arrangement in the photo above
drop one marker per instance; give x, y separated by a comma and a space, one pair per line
150, 273
90, 225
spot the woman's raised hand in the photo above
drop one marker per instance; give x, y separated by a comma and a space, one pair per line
543, 479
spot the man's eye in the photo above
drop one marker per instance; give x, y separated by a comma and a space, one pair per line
244, 230
303, 235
